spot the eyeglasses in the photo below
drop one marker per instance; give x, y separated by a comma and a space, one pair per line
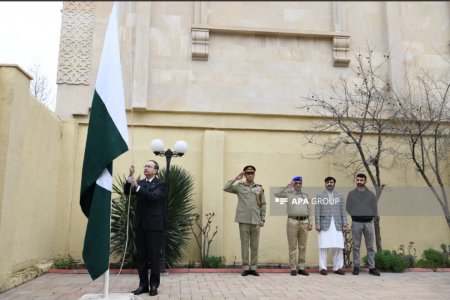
149, 166
249, 173
297, 182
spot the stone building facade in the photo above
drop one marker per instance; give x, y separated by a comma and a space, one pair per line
228, 78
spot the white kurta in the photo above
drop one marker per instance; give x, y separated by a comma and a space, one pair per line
331, 238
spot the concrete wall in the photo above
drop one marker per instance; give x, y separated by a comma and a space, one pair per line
33, 170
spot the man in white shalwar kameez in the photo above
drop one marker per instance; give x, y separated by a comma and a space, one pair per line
331, 222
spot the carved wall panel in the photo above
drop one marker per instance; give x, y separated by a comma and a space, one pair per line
77, 31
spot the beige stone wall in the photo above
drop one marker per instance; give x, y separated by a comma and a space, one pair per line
227, 78
34, 175
235, 107
219, 146
258, 57
224, 76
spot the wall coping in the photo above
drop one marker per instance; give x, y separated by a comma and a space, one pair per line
17, 67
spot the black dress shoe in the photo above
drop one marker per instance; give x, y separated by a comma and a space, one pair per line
245, 272
339, 272
253, 272
140, 290
374, 272
153, 291
303, 272
294, 272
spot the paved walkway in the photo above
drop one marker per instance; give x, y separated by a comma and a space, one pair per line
408, 285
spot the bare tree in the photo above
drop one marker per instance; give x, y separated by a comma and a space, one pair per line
361, 110
39, 86
425, 122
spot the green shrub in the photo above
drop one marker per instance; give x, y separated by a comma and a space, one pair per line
65, 263
214, 261
423, 263
436, 258
389, 261
383, 260
398, 263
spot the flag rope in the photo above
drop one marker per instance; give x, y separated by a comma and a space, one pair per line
132, 138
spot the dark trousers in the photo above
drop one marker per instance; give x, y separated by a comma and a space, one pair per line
148, 248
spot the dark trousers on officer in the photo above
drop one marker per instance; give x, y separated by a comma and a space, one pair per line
148, 248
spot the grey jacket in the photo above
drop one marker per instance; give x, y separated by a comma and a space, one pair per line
326, 208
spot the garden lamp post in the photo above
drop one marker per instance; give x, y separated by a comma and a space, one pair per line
180, 149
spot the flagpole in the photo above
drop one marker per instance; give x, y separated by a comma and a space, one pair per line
107, 102
106, 284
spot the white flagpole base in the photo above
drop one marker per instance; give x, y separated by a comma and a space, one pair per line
115, 296
106, 294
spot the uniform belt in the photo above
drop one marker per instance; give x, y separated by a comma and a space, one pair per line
299, 218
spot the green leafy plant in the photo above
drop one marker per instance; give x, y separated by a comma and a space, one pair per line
214, 261
65, 263
423, 263
122, 214
179, 210
432, 258
389, 261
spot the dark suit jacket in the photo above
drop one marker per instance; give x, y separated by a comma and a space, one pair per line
150, 204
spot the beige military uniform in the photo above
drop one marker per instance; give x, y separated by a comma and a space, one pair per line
299, 213
250, 212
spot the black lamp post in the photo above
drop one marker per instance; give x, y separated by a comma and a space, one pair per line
180, 149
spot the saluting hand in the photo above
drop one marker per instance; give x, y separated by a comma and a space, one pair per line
240, 175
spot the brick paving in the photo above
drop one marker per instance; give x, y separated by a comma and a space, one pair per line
269, 286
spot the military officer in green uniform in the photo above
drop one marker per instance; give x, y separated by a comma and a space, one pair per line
250, 214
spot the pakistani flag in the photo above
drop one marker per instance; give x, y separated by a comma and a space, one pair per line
107, 138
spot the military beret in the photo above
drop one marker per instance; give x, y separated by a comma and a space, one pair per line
297, 178
249, 168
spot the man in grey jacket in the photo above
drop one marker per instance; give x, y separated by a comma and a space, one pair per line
331, 222
362, 207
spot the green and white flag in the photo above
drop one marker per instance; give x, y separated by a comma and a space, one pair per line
107, 138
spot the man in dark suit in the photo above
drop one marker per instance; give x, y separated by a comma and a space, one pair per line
148, 224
